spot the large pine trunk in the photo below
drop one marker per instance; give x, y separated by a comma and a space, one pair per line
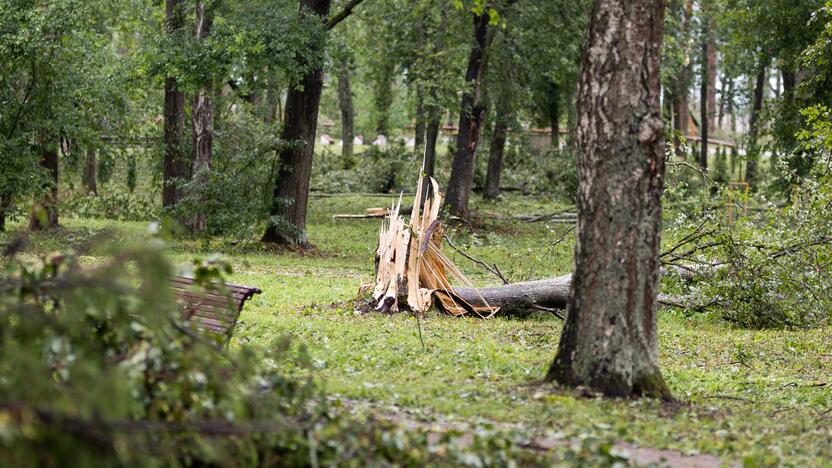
472, 110
291, 187
202, 119
347, 112
609, 341
175, 166
49, 203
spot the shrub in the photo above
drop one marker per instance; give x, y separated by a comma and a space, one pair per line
374, 170
115, 205
98, 368
235, 195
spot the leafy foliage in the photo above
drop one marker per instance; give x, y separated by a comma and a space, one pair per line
98, 366
115, 205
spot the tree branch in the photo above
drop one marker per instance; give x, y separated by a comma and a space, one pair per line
493, 269
342, 14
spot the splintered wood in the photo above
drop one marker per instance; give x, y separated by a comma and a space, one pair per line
410, 265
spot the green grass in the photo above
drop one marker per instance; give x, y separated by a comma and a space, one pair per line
752, 396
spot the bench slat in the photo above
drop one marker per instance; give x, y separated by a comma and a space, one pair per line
216, 309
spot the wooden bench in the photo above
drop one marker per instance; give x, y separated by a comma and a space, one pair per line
215, 309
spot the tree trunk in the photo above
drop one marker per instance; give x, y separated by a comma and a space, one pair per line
609, 341
517, 299
680, 85
521, 298
703, 102
90, 166
554, 113
472, 110
347, 112
175, 165
790, 113
291, 188
383, 96
202, 119
497, 150
421, 117
726, 96
712, 70
572, 122
752, 153
49, 203
431, 138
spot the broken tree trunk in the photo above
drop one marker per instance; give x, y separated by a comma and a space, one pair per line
517, 299
522, 298
411, 270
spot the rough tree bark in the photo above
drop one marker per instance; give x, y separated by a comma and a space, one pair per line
609, 341
291, 188
90, 169
175, 164
49, 203
347, 111
202, 119
498, 146
753, 124
472, 110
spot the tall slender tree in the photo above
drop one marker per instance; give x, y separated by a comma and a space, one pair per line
90, 169
472, 111
704, 87
287, 224
174, 165
48, 218
347, 110
497, 147
609, 342
202, 116
753, 148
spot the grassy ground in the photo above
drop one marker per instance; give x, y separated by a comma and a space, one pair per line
759, 397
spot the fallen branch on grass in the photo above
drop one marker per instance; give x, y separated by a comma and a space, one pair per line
518, 299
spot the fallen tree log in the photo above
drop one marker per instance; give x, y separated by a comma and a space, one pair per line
522, 298
519, 299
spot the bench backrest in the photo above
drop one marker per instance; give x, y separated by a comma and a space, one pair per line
214, 309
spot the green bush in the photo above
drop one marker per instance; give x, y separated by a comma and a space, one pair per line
376, 170
98, 369
114, 205
235, 195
